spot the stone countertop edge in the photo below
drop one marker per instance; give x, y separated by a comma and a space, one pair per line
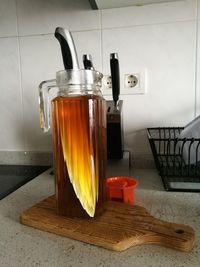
25, 246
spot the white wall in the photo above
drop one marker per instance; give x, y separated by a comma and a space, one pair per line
161, 37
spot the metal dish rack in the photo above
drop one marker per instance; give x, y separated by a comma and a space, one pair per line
167, 149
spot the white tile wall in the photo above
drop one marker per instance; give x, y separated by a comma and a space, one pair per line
198, 73
11, 129
89, 42
167, 51
8, 18
39, 17
160, 37
40, 59
149, 14
198, 64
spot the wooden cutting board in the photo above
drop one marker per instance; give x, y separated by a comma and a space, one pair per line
121, 226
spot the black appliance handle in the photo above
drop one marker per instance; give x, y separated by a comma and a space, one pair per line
87, 62
114, 67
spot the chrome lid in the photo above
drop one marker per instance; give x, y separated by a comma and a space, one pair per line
78, 77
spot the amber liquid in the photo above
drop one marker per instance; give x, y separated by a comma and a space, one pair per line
79, 139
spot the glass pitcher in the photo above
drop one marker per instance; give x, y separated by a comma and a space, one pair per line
78, 115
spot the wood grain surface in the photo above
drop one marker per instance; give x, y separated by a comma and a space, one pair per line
121, 226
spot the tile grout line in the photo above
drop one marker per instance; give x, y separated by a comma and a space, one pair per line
101, 29
20, 77
147, 25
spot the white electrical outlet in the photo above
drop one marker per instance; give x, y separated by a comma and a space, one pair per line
135, 83
107, 84
131, 80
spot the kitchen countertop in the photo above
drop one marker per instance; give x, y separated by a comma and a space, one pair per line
24, 246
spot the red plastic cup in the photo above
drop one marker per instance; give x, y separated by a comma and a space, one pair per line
121, 188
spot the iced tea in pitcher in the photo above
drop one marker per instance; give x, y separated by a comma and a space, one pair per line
79, 139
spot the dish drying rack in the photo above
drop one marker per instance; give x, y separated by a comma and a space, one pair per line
167, 149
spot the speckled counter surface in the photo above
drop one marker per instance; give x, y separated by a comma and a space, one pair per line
23, 246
